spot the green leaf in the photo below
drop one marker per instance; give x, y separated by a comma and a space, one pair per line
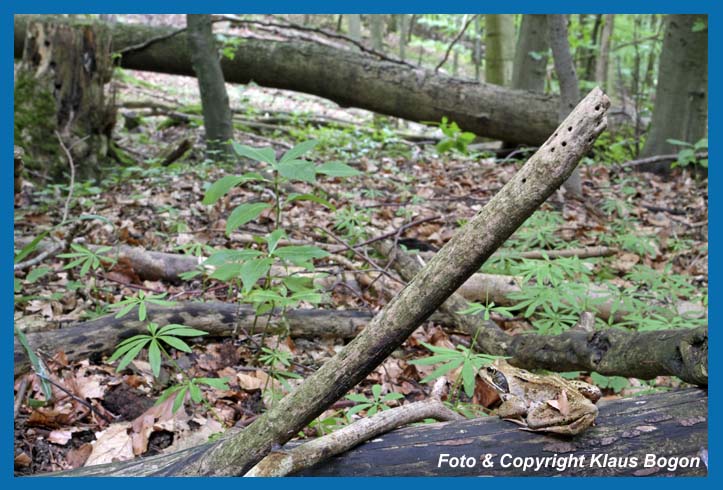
130, 355
356, 397
678, 142
310, 197
224, 256
37, 273
220, 188
337, 169
298, 284
298, 170
253, 270
175, 342
300, 255
392, 396
273, 239
125, 310
226, 272
127, 345
243, 214
180, 397
195, 392
468, 378
36, 364
376, 391
180, 330
218, 383
154, 357
267, 155
358, 408
298, 150
443, 369
30, 247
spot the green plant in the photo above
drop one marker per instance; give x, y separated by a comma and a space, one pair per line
141, 301
464, 357
156, 342
688, 154
86, 258
375, 404
453, 137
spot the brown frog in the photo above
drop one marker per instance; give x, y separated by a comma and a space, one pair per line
544, 403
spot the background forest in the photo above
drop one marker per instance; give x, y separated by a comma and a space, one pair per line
209, 208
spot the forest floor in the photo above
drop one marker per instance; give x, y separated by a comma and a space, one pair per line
657, 228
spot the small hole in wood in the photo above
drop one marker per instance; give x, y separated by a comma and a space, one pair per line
47, 43
591, 138
564, 143
524, 180
597, 107
554, 135
570, 128
552, 149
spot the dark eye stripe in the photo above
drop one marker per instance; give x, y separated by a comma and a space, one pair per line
499, 379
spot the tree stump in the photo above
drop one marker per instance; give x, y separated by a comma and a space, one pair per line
60, 85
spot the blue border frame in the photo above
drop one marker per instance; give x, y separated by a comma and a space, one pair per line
10, 7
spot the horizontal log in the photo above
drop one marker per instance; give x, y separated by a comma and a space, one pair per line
667, 425
345, 76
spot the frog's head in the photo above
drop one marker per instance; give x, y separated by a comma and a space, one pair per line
496, 378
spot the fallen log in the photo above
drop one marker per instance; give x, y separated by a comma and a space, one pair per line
345, 76
100, 337
629, 353
667, 425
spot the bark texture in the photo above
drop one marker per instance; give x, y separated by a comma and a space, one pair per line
667, 425
350, 78
681, 98
569, 89
214, 99
529, 70
499, 48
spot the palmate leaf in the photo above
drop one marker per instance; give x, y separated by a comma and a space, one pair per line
130, 355
218, 383
175, 342
180, 330
195, 392
443, 369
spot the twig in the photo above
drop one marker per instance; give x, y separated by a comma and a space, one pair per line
363, 256
20, 396
76, 398
153, 40
658, 158
392, 233
66, 208
454, 41
40, 257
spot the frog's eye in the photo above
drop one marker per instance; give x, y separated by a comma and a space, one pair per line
498, 379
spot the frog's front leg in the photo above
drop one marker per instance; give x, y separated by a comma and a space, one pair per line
513, 409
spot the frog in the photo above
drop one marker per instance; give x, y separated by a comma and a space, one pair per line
542, 403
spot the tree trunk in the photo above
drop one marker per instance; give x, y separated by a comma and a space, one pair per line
211, 85
60, 87
499, 48
603, 59
403, 30
355, 26
530, 66
376, 27
681, 99
591, 53
351, 78
669, 425
569, 89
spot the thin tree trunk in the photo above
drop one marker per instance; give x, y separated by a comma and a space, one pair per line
603, 59
355, 26
681, 99
499, 48
214, 99
376, 24
569, 89
530, 66
403, 30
